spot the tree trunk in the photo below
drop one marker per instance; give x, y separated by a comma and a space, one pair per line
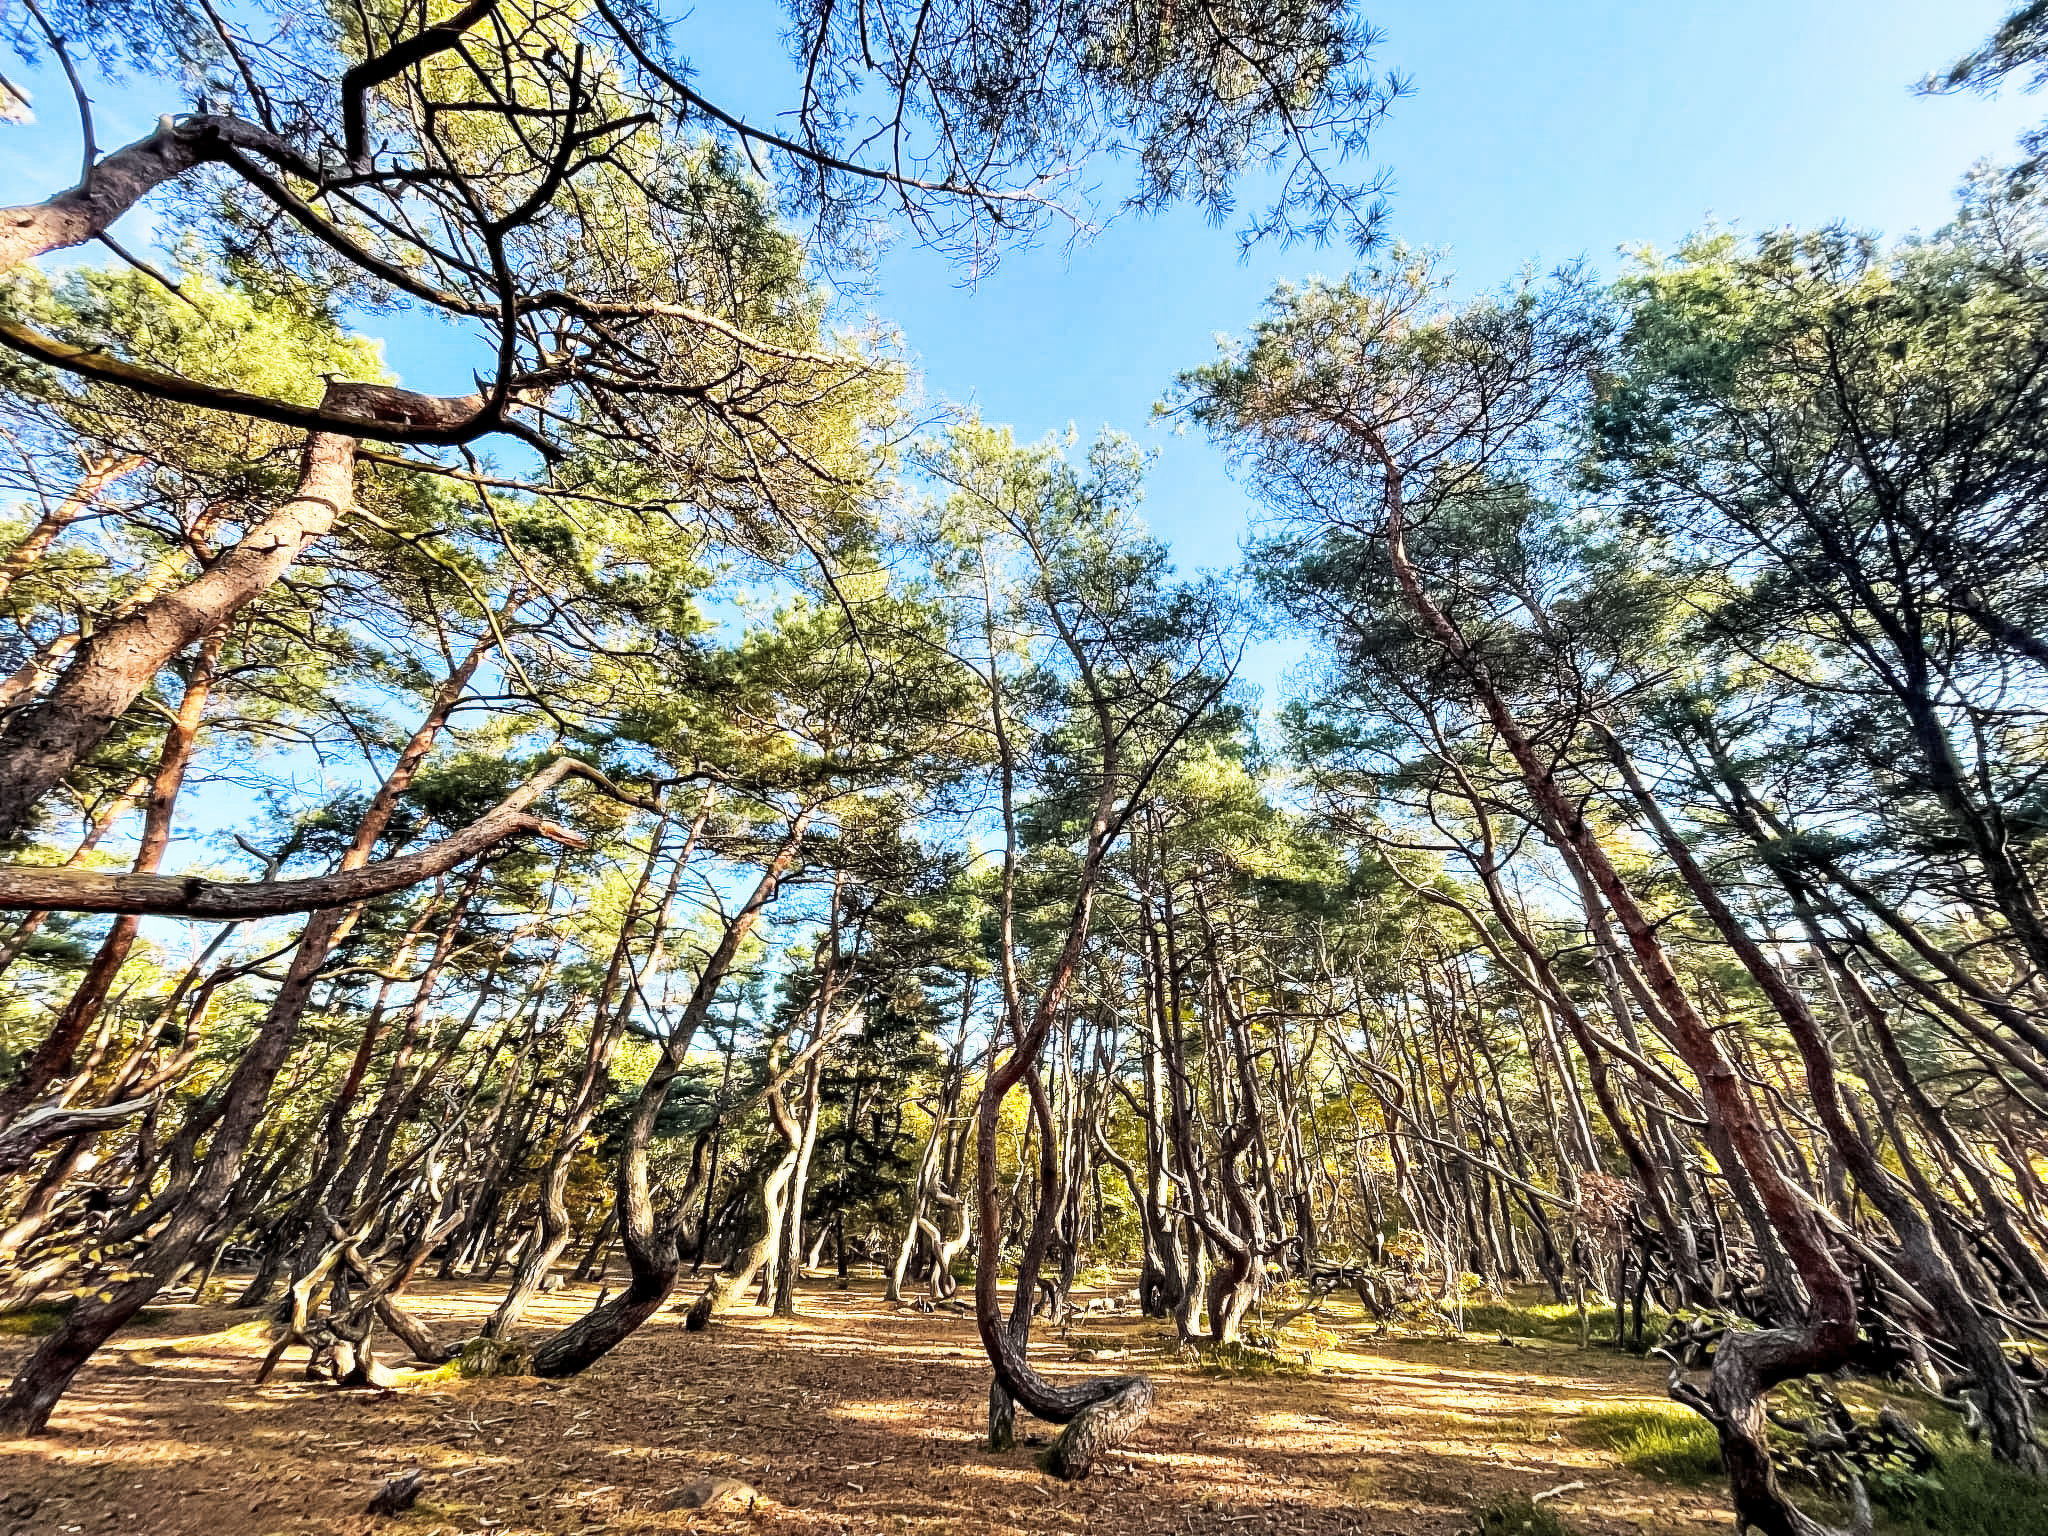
49, 1372
53, 1056
1746, 1365
653, 1255
42, 742
97, 475
2009, 1411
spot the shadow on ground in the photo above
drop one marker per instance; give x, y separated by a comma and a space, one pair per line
852, 1418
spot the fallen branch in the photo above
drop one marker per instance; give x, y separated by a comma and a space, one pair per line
1309, 1308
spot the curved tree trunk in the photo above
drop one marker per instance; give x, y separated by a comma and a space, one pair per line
2008, 1410
653, 1250
44, 741
193, 1213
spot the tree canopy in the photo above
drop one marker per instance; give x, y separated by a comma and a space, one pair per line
688, 802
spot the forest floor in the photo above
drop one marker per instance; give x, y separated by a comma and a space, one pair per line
855, 1417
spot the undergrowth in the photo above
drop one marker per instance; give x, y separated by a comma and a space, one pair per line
1672, 1443
1513, 1515
1097, 1342
1248, 1359
1968, 1494
1558, 1322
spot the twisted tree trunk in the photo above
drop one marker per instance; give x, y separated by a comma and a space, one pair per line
193, 1213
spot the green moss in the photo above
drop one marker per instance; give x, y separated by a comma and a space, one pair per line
486, 1356
1671, 1443
33, 1322
1250, 1360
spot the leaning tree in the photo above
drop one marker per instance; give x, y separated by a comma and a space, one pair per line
553, 187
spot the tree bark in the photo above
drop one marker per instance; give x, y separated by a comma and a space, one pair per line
653, 1254
192, 1215
97, 476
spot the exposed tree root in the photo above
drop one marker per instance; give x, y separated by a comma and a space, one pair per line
1101, 1426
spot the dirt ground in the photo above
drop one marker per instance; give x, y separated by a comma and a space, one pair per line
853, 1418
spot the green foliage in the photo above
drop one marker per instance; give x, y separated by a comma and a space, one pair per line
2020, 44
1968, 1494
1558, 1322
1671, 1442
227, 334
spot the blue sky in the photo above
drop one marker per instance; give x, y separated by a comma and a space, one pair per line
1536, 134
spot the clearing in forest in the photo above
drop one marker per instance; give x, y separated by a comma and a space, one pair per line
854, 1417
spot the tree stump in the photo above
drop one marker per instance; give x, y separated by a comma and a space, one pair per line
698, 1318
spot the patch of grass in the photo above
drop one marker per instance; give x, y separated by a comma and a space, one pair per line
1968, 1494
433, 1375
1236, 1360
42, 1317
1306, 1333
1513, 1515
33, 1322
1557, 1322
1094, 1341
1670, 1443
1538, 1321
1530, 1428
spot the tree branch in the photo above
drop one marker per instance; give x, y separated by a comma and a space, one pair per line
361, 79
78, 890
